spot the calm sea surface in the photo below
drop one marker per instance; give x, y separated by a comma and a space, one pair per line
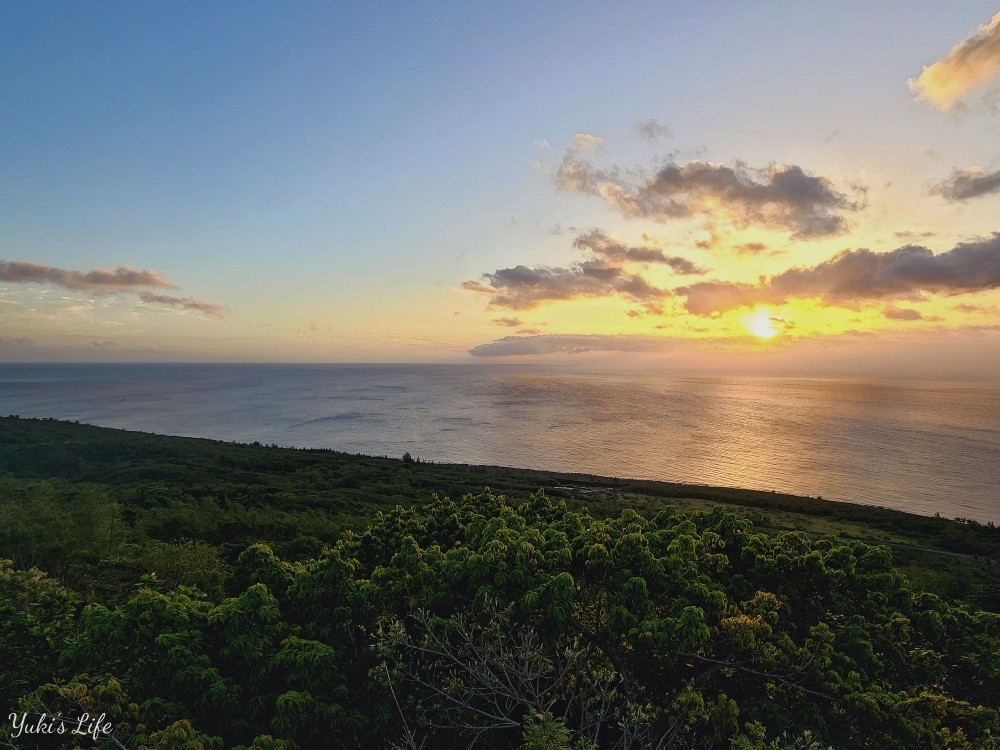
922, 447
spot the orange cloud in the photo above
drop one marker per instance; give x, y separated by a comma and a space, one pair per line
970, 64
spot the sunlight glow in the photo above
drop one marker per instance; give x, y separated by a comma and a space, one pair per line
761, 324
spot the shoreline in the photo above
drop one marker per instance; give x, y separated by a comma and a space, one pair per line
573, 482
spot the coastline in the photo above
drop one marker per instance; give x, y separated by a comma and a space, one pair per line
166, 458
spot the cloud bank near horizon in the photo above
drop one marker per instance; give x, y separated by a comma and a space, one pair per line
555, 343
973, 351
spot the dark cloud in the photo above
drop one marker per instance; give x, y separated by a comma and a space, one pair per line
708, 243
571, 344
969, 64
604, 246
855, 275
707, 297
968, 308
783, 197
780, 324
604, 275
185, 303
652, 129
119, 279
902, 313
521, 288
968, 183
509, 322
863, 274
750, 248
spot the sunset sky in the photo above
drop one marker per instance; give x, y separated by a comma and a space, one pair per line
781, 187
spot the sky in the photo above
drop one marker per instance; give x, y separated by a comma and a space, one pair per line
774, 187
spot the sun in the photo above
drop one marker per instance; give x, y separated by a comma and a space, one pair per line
761, 324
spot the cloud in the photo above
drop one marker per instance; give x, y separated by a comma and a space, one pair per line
521, 288
587, 141
854, 275
902, 313
707, 297
970, 64
603, 275
116, 280
781, 197
571, 344
969, 308
604, 246
185, 303
780, 324
510, 322
750, 248
968, 183
652, 130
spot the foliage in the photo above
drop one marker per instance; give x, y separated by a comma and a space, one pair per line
535, 626
202, 594
100, 508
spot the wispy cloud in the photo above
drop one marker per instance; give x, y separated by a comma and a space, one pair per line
184, 303
120, 280
521, 288
966, 307
854, 275
781, 197
509, 322
968, 183
969, 64
603, 275
750, 248
611, 249
114, 280
652, 129
571, 344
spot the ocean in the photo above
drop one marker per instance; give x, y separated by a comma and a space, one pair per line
923, 447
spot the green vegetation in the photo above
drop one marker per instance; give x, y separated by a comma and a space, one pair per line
208, 595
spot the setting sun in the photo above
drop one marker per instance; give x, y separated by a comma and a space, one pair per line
761, 324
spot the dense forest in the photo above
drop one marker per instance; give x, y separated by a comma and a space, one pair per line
165, 592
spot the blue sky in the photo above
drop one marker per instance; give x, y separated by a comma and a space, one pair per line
317, 181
